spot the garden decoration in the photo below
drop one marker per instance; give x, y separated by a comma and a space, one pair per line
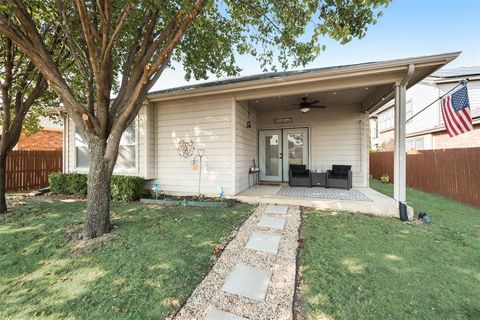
198, 158
185, 148
221, 193
155, 189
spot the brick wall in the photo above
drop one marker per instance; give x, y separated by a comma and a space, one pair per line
441, 140
42, 140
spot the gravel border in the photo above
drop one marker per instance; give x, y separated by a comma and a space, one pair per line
279, 299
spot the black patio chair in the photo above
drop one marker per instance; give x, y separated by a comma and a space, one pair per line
339, 177
299, 176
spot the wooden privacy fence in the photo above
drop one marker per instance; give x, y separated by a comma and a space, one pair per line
27, 170
454, 173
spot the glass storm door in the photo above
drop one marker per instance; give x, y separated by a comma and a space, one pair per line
295, 149
270, 155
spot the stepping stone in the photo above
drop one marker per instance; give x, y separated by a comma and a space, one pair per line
248, 282
215, 314
264, 242
272, 222
276, 209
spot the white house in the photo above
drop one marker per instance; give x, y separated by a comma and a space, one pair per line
244, 119
427, 130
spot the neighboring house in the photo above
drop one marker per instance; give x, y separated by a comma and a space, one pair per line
241, 120
427, 130
49, 138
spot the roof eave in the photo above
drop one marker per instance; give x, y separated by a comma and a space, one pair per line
374, 67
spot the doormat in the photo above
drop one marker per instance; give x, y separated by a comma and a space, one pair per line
267, 183
323, 193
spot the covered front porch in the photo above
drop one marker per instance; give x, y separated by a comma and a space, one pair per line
358, 199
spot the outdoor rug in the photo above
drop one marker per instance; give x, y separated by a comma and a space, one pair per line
323, 193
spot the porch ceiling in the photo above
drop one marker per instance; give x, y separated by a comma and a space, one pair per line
351, 96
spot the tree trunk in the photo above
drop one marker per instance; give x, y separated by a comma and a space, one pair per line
97, 219
3, 170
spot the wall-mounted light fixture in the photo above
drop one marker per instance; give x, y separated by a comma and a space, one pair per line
249, 123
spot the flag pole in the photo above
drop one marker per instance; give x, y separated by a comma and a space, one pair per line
463, 82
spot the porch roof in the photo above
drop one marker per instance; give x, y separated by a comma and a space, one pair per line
378, 75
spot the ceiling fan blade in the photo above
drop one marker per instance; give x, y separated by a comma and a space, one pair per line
320, 107
313, 102
295, 104
291, 109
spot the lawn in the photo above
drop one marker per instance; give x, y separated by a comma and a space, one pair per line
361, 267
151, 262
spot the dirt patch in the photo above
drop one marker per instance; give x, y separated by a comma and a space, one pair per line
79, 245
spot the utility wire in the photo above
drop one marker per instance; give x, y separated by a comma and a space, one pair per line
461, 83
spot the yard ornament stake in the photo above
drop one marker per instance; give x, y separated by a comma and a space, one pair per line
221, 193
198, 158
155, 189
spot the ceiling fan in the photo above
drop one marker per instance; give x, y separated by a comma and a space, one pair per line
305, 105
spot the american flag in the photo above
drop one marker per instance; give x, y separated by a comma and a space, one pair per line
456, 112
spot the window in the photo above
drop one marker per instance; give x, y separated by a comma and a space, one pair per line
409, 109
416, 143
126, 150
81, 149
386, 119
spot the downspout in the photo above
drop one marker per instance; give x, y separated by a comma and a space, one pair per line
65, 143
408, 76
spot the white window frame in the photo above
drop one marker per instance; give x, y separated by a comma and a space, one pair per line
134, 170
409, 109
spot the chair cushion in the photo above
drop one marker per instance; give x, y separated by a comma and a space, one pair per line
340, 170
296, 173
298, 167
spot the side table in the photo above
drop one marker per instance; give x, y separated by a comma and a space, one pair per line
318, 179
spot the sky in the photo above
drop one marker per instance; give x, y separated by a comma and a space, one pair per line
409, 28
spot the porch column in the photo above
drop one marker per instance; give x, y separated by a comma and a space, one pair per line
399, 155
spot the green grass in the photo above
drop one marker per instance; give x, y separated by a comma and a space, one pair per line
361, 267
142, 270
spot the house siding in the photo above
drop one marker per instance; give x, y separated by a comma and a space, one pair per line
207, 122
246, 145
338, 135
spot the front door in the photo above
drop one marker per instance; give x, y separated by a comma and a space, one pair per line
295, 148
278, 149
270, 157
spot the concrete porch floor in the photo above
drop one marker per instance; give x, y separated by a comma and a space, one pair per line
380, 205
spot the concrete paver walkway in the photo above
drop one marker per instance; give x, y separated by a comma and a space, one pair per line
254, 278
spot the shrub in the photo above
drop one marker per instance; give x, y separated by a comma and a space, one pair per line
57, 182
68, 183
385, 178
127, 188
124, 188
77, 183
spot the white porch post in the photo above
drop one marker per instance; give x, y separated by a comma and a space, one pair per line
399, 155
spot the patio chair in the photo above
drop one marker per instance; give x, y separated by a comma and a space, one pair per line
339, 177
299, 176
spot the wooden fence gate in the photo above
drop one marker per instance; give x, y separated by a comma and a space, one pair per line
27, 170
454, 173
